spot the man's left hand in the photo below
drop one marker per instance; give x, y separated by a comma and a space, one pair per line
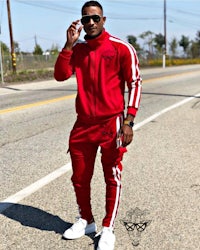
127, 133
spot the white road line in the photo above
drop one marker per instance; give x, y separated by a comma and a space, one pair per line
151, 118
34, 187
60, 171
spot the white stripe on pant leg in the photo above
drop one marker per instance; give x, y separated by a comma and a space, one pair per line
118, 132
117, 179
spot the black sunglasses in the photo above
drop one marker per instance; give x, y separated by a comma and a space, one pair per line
86, 19
130, 226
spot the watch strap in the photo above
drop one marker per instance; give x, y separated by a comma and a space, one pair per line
129, 123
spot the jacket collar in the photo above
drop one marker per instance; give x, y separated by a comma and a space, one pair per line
97, 41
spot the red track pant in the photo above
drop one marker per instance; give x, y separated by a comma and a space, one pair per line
83, 144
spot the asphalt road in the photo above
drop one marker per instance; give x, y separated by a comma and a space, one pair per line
161, 177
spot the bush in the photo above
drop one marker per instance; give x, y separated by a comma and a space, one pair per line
173, 62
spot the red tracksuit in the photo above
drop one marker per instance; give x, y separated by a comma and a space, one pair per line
102, 66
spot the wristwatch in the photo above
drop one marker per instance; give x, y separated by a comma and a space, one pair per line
129, 123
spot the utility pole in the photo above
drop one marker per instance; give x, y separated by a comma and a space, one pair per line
13, 56
1, 61
1, 65
35, 37
165, 37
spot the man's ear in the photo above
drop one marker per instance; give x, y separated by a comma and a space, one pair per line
104, 19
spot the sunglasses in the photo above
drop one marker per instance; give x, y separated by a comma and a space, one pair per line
86, 19
130, 226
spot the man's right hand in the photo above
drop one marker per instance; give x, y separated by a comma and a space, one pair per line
73, 34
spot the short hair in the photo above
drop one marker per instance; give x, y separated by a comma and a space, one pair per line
91, 3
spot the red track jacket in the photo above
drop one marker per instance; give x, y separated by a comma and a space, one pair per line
102, 66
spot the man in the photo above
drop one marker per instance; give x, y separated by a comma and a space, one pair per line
102, 65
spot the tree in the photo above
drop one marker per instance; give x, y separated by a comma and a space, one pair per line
194, 49
4, 48
16, 47
196, 45
159, 42
184, 42
54, 49
198, 37
37, 50
133, 41
148, 39
173, 46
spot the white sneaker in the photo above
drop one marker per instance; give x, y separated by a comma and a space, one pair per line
107, 240
79, 228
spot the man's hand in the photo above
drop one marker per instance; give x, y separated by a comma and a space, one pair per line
127, 133
73, 34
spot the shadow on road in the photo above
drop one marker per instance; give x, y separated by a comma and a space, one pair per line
34, 217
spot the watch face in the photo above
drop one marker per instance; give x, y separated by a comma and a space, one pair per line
131, 124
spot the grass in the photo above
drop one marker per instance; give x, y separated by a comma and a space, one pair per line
28, 76
47, 74
174, 62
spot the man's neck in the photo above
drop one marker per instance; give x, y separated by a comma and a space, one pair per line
92, 37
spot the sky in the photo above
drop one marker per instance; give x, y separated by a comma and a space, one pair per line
45, 21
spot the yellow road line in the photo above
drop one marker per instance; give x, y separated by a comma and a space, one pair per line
36, 104
17, 108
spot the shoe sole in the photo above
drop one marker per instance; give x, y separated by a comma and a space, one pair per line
87, 231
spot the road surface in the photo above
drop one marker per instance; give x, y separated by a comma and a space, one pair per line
161, 177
